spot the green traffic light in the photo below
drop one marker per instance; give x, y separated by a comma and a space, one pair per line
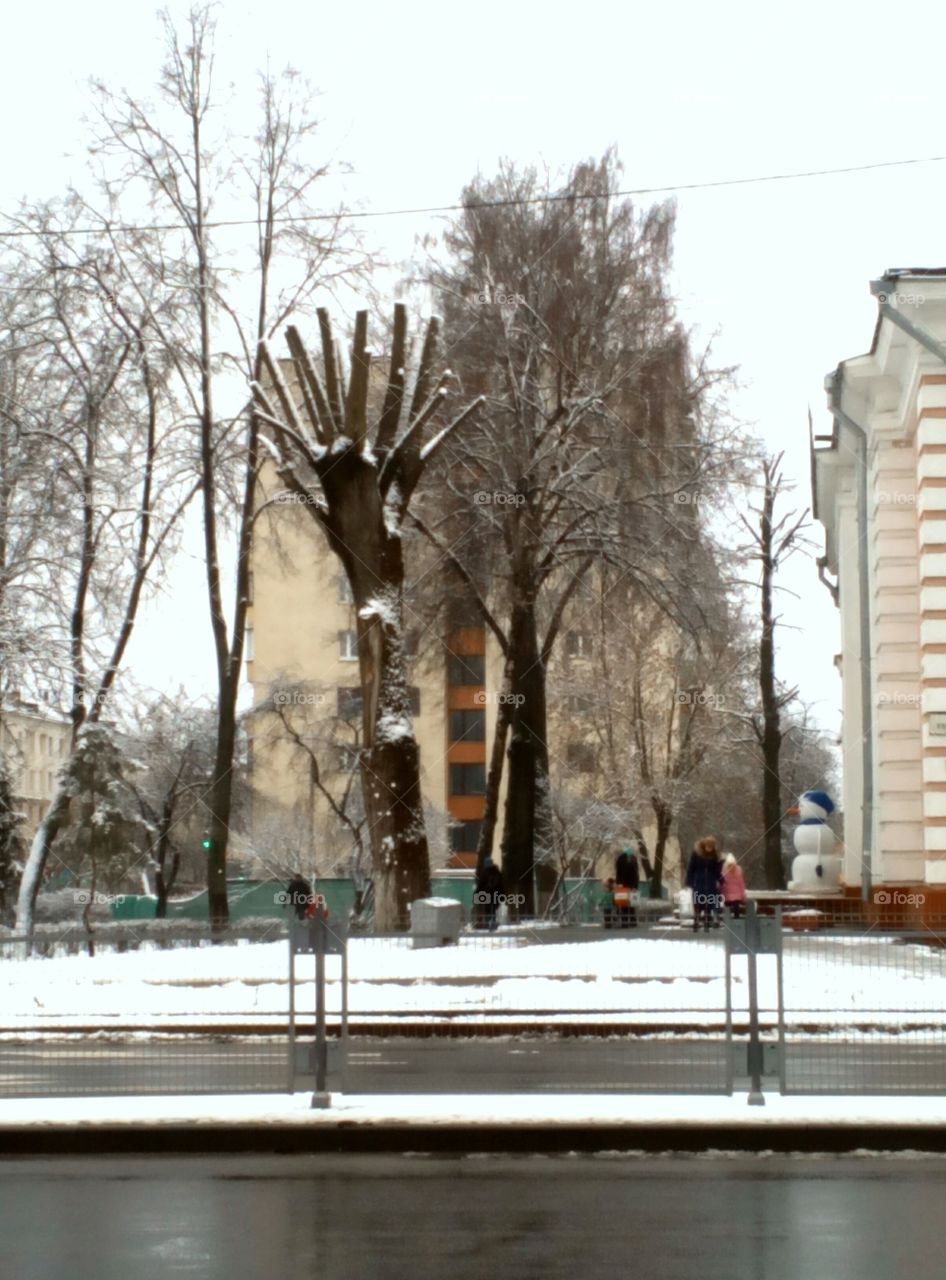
207, 843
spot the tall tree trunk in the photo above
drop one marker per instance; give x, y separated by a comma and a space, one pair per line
221, 794
164, 876
770, 738
526, 834
390, 757
663, 815
49, 827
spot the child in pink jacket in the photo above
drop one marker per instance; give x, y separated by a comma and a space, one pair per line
733, 886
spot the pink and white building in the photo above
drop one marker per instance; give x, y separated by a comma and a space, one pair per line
879, 485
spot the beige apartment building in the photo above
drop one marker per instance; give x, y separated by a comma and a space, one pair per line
302, 665
879, 484
302, 660
36, 744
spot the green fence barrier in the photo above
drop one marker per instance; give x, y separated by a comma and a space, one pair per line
255, 899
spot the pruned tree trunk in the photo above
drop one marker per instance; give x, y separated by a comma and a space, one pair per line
358, 486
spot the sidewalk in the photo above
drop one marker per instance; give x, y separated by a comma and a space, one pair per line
466, 1124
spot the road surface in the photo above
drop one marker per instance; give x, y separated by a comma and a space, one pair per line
532, 1218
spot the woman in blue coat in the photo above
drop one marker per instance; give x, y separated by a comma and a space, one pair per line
704, 873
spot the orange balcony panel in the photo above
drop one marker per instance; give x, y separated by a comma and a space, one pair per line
465, 697
467, 641
466, 753
466, 808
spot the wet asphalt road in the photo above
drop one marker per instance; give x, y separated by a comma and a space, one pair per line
402, 1218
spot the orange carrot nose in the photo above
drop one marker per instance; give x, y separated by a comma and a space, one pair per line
794, 811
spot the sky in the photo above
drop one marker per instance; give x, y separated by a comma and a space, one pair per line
419, 97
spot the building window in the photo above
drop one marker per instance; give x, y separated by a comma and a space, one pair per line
577, 644
580, 756
248, 646
465, 837
467, 668
345, 593
468, 779
411, 639
467, 726
349, 702
348, 646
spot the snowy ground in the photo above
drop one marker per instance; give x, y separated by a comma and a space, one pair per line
678, 980
514, 1111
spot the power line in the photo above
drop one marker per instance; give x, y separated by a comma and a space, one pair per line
363, 214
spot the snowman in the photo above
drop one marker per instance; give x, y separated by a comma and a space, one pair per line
816, 867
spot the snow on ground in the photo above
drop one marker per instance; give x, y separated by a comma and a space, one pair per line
721, 1116
830, 982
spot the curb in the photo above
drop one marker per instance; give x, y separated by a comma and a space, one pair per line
349, 1137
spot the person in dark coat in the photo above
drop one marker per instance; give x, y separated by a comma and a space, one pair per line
300, 895
704, 875
487, 894
627, 880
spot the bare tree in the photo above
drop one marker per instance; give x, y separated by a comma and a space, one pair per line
184, 164
97, 406
174, 739
560, 314
327, 748
774, 538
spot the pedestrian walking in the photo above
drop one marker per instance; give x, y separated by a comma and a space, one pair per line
487, 895
733, 886
703, 877
627, 881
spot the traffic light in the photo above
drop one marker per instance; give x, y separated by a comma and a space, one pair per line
207, 844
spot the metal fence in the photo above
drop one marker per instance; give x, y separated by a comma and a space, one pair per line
860, 1011
68, 1028
529, 1009
107, 937
648, 1008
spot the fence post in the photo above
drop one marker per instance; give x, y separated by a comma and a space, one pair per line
321, 1097
781, 1007
756, 1096
292, 1013
730, 1070
343, 1047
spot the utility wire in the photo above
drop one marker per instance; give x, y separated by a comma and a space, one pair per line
482, 204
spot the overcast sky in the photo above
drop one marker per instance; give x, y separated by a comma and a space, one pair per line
418, 97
